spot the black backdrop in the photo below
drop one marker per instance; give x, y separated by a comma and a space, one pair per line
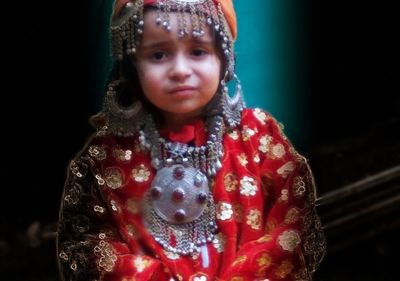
47, 96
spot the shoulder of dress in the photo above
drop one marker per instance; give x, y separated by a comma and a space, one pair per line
258, 117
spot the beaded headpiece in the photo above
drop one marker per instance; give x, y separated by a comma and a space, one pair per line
127, 23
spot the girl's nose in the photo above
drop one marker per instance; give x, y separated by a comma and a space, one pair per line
180, 69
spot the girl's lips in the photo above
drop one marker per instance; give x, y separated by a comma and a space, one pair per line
182, 89
182, 92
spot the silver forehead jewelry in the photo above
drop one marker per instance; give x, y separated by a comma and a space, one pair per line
179, 210
193, 18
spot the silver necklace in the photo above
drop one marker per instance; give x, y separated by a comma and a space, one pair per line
179, 209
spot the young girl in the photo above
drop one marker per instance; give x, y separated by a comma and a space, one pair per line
181, 181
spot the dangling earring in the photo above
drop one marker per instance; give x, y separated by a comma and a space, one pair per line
120, 120
223, 104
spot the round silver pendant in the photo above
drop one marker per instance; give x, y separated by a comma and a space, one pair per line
179, 194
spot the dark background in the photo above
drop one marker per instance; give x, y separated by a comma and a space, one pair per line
47, 96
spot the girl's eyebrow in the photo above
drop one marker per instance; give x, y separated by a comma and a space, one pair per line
158, 44
155, 44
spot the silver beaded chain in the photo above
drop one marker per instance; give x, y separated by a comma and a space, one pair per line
206, 158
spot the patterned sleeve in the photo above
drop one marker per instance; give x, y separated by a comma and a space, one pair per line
89, 246
293, 242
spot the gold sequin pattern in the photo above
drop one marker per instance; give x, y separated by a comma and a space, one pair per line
97, 152
248, 186
106, 255
231, 182
289, 239
299, 187
122, 155
242, 159
133, 205
260, 116
113, 177
284, 269
286, 169
224, 211
292, 215
247, 133
254, 219
141, 264
141, 173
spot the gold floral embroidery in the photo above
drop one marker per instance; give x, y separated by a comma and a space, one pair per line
122, 155
132, 231
238, 212
284, 269
254, 219
270, 225
133, 205
179, 277
265, 238
278, 150
100, 180
260, 115
242, 159
239, 260
75, 169
98, 209
129, 279
171, 256
219, 242
97, 152
224, 211
248, 186
234, 135
299, 187
281, 128
230, 182
265, 143
141, 173
200, 278
292, 215
114, 177
114, 206
237, 278
63, 256
264, 260
289, 239
284, 195
107, 257
286, 169
247, 133
141, 264
256, 158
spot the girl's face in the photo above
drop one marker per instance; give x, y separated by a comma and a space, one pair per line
178, 75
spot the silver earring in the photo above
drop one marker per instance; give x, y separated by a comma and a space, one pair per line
121, 121
229, 107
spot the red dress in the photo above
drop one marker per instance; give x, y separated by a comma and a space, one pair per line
264, 196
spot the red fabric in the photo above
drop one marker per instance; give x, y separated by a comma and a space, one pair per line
190, 132
260, 209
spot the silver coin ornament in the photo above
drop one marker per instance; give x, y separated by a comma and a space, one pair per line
179, 194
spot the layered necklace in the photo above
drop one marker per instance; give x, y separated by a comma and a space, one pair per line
179, 209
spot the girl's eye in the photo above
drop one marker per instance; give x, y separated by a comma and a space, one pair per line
199, 52
158, 55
